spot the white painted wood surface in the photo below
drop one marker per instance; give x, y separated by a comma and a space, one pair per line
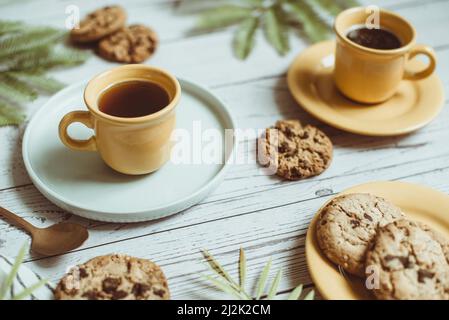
266, 216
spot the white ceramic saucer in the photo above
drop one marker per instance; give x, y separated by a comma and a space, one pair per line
81, 183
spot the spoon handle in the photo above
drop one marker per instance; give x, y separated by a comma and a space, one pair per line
17, 220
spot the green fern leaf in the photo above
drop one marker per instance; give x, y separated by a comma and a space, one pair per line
13, 272
261, 283
26, 52
345, 4
275, 30
25, 41
244, 38
310, 295
314, 28
294, 295
10, 115
225, 287
30, 56
38, 81
28, 291
331, 6
10, 26
275, 285
223, 16
55, 58
242, 269
16, 90
228, 285
255, 3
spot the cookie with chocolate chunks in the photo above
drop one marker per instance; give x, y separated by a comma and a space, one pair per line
411, 262
294, 151
133, 44
347, 226
114, 277
98, 24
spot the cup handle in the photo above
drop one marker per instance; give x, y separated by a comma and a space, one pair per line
427, 51
83, 117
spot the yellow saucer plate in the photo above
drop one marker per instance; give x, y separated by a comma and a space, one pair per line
413, 106
418, 203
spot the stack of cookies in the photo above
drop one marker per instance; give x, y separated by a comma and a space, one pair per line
106, 28
371, 238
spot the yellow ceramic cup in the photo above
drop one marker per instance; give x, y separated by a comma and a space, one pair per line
129, 145
371, 75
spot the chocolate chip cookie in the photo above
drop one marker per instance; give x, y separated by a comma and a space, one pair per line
114, 277
293, 151
347, 226
410, 261
99, 24
132, 44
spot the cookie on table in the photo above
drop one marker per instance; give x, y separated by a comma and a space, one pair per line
347, 226
411, 261
132, 44
295, 151
99, 24
114, 277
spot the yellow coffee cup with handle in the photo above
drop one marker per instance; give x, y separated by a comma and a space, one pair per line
130, 145
371, 75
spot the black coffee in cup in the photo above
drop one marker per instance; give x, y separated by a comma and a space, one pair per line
374, 38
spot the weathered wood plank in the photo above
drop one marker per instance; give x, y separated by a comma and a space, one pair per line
266, 216
276, 232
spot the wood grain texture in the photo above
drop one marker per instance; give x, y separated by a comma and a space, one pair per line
266, 216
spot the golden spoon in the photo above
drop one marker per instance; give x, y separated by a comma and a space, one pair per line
56, 239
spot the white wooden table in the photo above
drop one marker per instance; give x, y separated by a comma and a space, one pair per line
266, 216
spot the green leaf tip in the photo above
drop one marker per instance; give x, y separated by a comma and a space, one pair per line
244, 37
26, 52
227, 285
223, 16
275, 31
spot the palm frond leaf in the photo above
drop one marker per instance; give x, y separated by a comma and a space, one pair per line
223, 16
216, 266
28, 291
275, 285
263, 280
15, 90
330, 6
310, 295
275, 30
13, 272
32, 56
345, 4
26, 52
58, 57
312, 24
296, 293
39, 37
242, 269
276, 17
10, 27
227, 285
223, 286
8, 282
10, 115
244, 37
38, 80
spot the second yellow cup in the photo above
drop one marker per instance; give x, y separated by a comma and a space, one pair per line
370, 75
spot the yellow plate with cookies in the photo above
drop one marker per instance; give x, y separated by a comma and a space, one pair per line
418, 203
